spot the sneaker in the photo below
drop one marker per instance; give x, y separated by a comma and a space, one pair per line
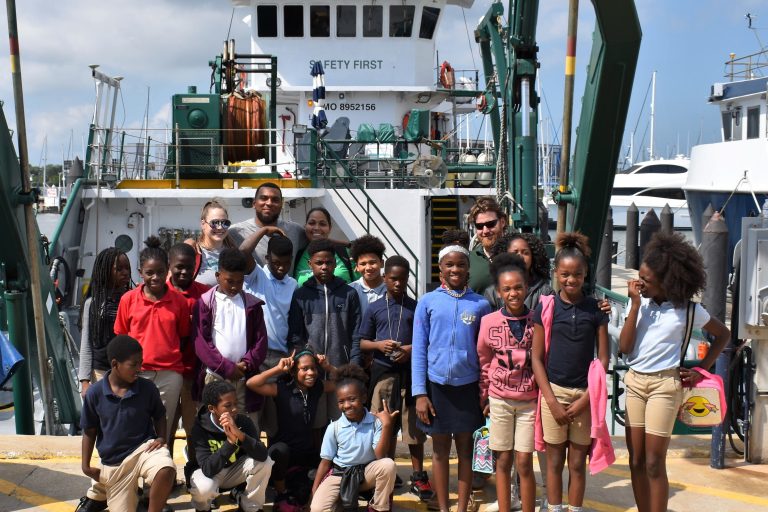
89, 505
398, 482
420, 486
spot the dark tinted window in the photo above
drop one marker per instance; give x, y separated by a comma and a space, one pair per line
401, 20
666, 193
662, 169
373, 16
753, 122
625, 191
726, 125
429, 17
266, 20
346, 21
319, 21
293, 21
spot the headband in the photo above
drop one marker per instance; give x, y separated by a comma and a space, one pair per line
305, 352
451, 248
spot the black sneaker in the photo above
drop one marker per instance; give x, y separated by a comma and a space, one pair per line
89, 505
398, 482
420, 486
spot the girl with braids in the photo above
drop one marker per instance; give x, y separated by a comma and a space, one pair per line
445, 370
110, 279
214, 236
158, 317
671, 274
354, 451
567, 330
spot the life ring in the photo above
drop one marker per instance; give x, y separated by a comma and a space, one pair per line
447, 76
482, 103
406, 118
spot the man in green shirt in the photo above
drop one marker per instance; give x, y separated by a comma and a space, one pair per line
490, 223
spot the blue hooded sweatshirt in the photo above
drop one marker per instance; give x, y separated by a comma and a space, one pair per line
445, 339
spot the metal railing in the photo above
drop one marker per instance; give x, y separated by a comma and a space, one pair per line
747, 67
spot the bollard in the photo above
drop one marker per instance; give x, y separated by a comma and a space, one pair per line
603, 277
614, 252
650, 226
714, 252
667, 219
24, 414
630, 244
708, 211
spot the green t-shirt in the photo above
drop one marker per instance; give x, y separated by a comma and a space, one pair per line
479, 271
345, 271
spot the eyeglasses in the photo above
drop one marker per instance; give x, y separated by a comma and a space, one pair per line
490, 224
219, 223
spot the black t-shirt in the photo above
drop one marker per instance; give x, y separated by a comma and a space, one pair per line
573, 341
295, 414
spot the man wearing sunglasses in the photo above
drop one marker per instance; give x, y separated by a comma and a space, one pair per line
268, 203
490, 223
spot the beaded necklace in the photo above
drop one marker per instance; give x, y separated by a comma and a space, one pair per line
456, 294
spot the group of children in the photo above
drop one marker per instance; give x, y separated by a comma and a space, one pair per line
331, 371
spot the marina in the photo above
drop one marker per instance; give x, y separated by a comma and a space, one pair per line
400, 145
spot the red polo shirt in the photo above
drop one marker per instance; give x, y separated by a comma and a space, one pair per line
194, 292
157, 325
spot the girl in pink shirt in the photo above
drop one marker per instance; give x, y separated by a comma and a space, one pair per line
507, 387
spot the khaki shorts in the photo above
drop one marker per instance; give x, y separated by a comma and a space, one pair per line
577, 432
512, 423
382, 393
653, 400
122, 481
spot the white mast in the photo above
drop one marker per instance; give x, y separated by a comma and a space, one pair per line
653, 112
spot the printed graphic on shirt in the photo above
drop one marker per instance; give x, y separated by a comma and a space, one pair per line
216, 445
468, 317
513, 357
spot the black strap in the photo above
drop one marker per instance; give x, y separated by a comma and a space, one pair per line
690, 311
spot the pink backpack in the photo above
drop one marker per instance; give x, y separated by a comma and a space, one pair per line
704, 405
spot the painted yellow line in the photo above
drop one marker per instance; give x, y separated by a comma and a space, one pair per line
40, 460
33, 498
700, 489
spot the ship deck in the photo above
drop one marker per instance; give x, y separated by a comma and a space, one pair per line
43, 473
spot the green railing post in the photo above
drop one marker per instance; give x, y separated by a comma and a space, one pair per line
23, 413
313, 157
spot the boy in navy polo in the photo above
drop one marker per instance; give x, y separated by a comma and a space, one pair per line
386, 330
124, 417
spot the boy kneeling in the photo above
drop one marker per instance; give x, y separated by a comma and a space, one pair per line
124, 417
228, 451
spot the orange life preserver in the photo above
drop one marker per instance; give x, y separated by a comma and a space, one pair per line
447, 76
406, 117
482, 103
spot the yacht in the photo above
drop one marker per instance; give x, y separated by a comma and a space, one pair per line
732, 174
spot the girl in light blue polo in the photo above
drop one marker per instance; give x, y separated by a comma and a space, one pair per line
354, 450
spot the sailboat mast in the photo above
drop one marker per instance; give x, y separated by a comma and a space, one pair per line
653, 112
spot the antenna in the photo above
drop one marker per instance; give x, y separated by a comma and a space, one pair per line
229, 30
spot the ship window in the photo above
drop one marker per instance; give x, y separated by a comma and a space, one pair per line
266, 20
346, 21
401, 20
373, 18
666, 193
293, 21
753, 122
625, 191
662, 169
429, 17
319, 21
727, 126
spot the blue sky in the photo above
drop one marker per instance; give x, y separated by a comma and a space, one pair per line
166, 44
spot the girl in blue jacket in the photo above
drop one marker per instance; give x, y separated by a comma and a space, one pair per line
446, 370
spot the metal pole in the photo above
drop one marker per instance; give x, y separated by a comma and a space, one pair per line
667, 219
31, 226
570, 67
178, 154
653, 112
23, 399
604, 258
650, 226
714, 252
630, 243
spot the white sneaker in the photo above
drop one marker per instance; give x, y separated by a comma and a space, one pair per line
515, 503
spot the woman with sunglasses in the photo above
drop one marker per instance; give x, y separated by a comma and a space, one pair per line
214, 228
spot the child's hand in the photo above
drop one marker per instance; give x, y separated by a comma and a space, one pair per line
577, 407
155, 444
286, 363
401, 356
92, 473
84, 385
424, 409
322, 360
390, 346
487, 410
634, 289
559, 413
605, 306
273, 230
386, 418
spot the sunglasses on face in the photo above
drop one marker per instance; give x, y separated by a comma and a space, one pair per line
490, 224
219, 223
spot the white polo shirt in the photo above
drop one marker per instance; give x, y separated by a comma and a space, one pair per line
229, 334
366, 294
277, 295
659, 335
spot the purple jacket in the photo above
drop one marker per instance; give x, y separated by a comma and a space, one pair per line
209, 355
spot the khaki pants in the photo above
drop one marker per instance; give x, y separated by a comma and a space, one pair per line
240, 392
122, 482
255, 475
379, 475
168, 384
382, 392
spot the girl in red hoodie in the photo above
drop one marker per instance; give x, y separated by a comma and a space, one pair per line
507, 387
